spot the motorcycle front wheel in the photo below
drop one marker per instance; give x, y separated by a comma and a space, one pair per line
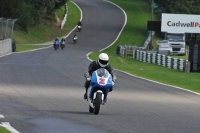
97, 103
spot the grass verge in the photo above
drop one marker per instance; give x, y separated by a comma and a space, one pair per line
185, 57
3, 130
20, 48
134, 33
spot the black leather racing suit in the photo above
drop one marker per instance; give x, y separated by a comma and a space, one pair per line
79, 24
93, 67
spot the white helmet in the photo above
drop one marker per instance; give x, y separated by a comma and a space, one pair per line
103, 59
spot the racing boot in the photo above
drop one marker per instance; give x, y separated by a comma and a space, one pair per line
85, 95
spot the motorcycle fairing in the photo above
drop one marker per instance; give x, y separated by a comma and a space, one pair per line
100, 82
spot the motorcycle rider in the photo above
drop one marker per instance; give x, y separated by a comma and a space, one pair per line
79, 23
102, 62
62, 42
79, 26
56, 43
75, 36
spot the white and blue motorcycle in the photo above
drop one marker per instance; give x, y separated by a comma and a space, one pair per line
100, 84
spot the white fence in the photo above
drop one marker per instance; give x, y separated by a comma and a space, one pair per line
65, 17
6, 28
148, 40
5, 46
127, 50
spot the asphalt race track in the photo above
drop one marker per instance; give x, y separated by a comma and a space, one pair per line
42, 91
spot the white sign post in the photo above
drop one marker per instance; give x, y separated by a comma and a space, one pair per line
180, 23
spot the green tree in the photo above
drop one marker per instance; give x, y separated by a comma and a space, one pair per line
179, 6
29, 12
24, 17
8, 10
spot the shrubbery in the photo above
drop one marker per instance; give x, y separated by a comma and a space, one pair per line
29, 12
179, 6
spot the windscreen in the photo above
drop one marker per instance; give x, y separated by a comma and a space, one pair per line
176, 38
102, 72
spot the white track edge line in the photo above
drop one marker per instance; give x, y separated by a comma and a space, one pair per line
122, 27
79, 9
9, 127
157, 82
119, 32
5, 54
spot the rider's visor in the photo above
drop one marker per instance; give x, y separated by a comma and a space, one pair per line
103, 62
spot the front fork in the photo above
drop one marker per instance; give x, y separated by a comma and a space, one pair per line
91, 101
102, 95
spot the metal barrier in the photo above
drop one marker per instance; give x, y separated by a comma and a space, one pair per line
6, 31
148, 40
127, 50
6, 28
141, 54
5, 46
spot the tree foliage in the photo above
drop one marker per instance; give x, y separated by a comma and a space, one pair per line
29, 12
179, 6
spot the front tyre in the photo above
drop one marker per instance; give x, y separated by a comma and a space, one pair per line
97, 103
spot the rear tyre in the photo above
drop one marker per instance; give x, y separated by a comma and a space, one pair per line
91, 110
62, 46
97, 103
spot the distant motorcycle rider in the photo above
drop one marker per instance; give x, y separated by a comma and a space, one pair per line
75, 36
102, 62
79, 23
56, 43
62, 43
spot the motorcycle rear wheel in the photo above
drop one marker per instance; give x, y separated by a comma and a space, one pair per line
62, 46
